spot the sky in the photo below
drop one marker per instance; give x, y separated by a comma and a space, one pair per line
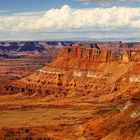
70, 20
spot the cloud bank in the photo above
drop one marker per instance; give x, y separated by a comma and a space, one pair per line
66, 20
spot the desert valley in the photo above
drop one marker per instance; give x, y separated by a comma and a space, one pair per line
69, 90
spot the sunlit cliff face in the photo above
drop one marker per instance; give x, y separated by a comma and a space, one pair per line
86, 64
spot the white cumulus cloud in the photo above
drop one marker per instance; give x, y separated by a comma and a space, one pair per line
97, 18
67, 19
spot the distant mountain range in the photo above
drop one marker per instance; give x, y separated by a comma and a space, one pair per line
17, 49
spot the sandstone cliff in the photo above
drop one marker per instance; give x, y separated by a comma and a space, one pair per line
83, 70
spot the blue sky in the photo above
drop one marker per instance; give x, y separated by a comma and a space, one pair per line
39, 5
69, 19
30, 5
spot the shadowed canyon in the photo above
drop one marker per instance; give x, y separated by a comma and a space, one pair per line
70, 91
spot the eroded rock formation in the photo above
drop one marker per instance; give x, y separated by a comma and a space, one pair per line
83, 70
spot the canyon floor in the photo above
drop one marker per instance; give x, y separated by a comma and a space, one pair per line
42, 116
85, 118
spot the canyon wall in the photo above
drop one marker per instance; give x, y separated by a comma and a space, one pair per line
80, 71
99, 55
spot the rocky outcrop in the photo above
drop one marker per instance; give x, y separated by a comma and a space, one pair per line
99, 55
82, 70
